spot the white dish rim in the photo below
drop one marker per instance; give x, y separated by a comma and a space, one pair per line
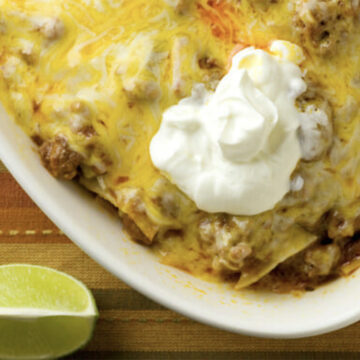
12, 160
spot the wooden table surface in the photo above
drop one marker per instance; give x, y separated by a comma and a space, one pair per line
131, 326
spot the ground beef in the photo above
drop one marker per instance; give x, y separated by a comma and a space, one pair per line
304, 271
132, 202
182, 6
350, 256
168, 205
325, 23
134, 231
52, 28
322, 259
138, 89
323, 262
341, 226
225, 238
59, 159
315, 133
316, 121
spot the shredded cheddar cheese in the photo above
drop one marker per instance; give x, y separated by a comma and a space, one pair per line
90, 79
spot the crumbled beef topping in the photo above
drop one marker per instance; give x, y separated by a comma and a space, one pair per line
59, 159
326, 23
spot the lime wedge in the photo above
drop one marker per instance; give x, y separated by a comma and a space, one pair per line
44, 314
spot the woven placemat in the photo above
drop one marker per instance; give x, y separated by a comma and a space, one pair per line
130, 325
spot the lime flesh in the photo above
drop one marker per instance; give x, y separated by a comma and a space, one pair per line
44, 314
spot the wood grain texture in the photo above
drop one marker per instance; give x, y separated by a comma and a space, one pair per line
131, 326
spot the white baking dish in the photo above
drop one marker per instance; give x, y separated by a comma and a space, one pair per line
100, 235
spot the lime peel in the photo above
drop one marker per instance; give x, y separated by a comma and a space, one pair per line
44, 314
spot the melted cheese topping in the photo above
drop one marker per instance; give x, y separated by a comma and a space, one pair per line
100, 73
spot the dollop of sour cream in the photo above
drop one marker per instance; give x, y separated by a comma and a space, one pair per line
233, 150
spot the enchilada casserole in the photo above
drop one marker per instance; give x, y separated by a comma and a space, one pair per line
90, 80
